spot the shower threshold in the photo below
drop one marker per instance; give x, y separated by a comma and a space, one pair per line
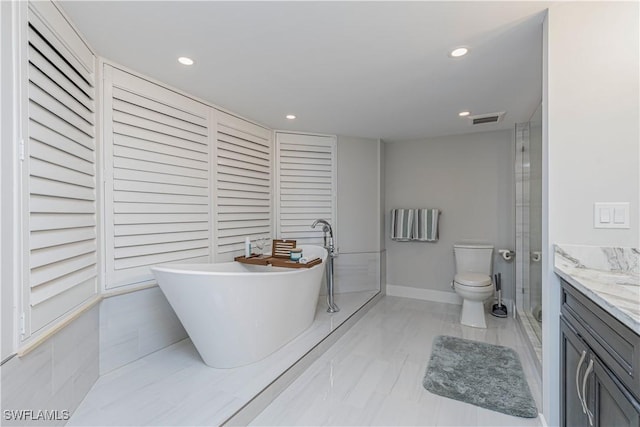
531, 328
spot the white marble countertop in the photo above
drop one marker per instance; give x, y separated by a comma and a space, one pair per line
610, 277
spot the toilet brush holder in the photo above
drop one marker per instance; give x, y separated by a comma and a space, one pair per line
499, 309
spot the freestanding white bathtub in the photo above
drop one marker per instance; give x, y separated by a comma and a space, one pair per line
237, 314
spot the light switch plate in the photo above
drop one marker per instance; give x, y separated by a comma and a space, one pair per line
611, 215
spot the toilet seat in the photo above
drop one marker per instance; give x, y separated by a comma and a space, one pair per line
472, 279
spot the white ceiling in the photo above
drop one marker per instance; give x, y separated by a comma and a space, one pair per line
369, 69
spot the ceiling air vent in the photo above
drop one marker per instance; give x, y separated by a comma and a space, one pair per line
486, 118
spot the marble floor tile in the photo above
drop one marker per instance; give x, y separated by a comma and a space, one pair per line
373, 374
174, 387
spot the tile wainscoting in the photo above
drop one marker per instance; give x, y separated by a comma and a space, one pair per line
134, 325
56, 375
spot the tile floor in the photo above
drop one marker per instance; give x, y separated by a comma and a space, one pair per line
174, 387
373, 374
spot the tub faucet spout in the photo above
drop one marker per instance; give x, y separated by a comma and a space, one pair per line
326, 227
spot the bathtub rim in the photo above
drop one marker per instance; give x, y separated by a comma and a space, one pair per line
193, 269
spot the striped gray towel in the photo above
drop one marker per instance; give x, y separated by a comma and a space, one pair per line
425, 225
401, 224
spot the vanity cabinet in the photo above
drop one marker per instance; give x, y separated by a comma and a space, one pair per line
600, 366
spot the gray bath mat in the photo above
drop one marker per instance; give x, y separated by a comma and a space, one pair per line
485, 375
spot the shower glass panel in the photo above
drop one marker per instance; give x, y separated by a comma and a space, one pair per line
528, 169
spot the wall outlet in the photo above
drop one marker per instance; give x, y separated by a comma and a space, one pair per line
611, 215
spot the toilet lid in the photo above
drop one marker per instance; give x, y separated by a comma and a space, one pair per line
472, 279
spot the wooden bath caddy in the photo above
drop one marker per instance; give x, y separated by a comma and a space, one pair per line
280, 258
276, 261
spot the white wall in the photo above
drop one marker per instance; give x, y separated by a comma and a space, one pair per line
593, 108
470, 178
591, 123
357, 268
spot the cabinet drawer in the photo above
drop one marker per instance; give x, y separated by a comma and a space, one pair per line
613, 342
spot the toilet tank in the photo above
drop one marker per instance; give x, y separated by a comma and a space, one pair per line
474, 258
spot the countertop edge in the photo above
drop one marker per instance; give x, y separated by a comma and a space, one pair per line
616, 312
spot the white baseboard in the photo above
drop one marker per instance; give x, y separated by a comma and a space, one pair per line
423, 294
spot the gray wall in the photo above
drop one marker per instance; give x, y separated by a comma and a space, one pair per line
358, 232
470, 178
591, 123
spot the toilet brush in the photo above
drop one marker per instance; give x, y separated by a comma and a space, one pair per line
499, 309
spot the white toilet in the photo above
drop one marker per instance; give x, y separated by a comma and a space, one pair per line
473, 281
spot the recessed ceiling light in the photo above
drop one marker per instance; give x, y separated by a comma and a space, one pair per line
290, 116
464, 113
458, 52
185, 61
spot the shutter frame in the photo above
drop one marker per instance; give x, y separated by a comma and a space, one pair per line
243, 159
59, 171
157, 169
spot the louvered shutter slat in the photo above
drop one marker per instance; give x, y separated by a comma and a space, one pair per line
161, 158
141, 229
143, 166
68, 146
157, 177
49, 119
53, 73
41, 222
54, 156
61, 110
159, 258
148, 239
73, 50
128, 122
160, 208
161, 117
47, 187
46, 204
127, 196
84, 276
48, 238
50, 273
121, 94
179, 147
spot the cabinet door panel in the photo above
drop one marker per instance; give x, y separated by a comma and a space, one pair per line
613, 406
572, 348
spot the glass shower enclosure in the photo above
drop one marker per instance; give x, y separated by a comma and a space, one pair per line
528, 170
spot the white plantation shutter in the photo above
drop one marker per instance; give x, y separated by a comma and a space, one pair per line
305, 185
243, 184
157, 193
59, 169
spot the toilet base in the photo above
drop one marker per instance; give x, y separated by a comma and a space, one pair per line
473, 314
